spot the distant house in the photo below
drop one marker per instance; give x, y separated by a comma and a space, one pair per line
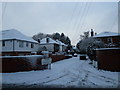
15, 43
111, 39
62, 46
49, 45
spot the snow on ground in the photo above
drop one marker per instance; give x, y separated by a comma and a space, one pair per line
68, 72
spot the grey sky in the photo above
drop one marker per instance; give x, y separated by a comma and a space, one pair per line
71, 18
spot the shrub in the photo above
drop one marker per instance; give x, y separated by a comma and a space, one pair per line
84, 44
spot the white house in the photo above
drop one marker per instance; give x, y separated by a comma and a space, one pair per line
14, 42
62, 45
49, 45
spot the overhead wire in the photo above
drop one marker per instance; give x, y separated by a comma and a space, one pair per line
78, 21
3, 9
114, 23
81, 20
86, 15
76, 18
84, 18
81, 10
72, 16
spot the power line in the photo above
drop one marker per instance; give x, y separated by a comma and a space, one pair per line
114, 22
3, 10
83, 16
81, 10
73, 13
86, 15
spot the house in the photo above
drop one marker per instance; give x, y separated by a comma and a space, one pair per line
15, 43
111, 39
49, 44
62, 46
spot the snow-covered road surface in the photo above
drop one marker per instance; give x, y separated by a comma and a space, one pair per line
66, 73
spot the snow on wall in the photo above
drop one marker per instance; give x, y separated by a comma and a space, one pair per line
32, 59
27, 56
21, 63
107, 48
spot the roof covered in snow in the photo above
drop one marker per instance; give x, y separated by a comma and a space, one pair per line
51, 41
15, 34
61, 43
107, 34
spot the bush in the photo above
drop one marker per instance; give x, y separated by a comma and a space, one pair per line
84, 44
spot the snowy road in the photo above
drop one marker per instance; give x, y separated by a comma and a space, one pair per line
66, 73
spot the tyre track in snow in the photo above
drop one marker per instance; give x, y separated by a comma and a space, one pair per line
97, 76
47, 81
81, 80
84, 81
103, 78
77, 78
54, 79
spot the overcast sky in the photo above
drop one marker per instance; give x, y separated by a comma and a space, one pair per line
71, 18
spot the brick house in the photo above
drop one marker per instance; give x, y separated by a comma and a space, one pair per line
111, 39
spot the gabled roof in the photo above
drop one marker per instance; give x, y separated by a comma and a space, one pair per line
61, 43
107, 34
14, 34
51, 41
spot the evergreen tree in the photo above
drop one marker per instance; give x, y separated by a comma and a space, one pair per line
56, 36
67, 41
62, 39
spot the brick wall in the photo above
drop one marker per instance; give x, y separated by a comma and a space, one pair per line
18, 64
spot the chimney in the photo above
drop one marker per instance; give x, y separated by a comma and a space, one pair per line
92, 33
95, 33
47, 40
38, 40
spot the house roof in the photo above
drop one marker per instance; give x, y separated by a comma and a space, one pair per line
61, 43
14, 34
51, 41
107, 34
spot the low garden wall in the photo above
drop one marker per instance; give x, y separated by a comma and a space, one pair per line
26, 63
58, 57
108, 59
21, 63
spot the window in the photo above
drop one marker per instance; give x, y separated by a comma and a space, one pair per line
3, 43
32, 45
109, 40
26, 44
7, 55
21, 43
